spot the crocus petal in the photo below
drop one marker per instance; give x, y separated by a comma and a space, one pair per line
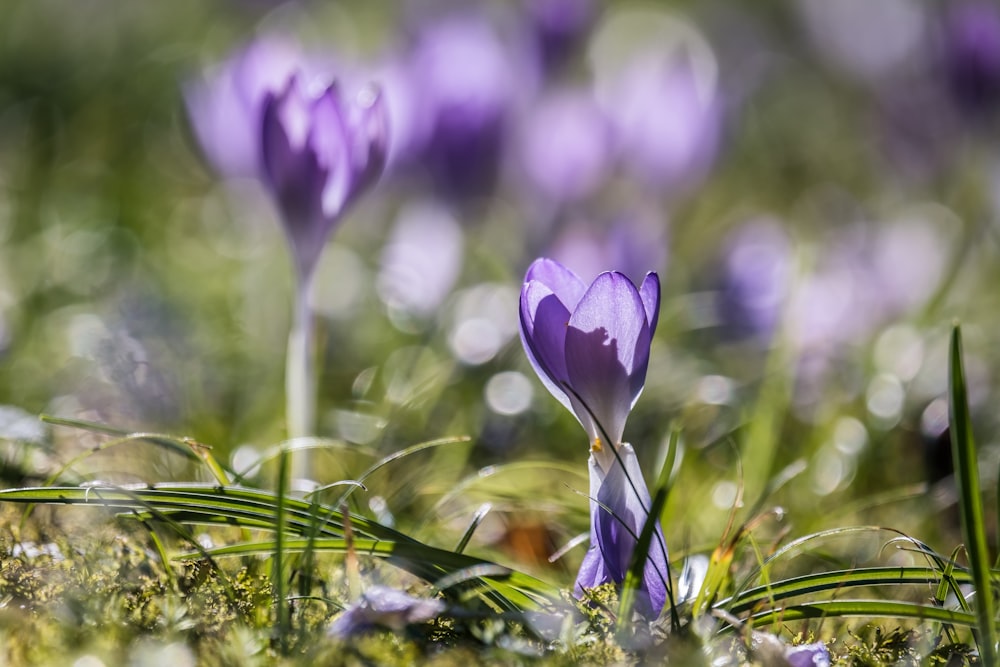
328, 139
565, 284
607, 350
593, 571
295, 174
544, 319
620, 514
370, 129
649, 292
223, 123
265, 66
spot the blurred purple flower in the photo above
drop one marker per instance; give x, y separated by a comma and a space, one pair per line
667, 122
808, 655
384, 607
319, 153
590, 348
972, 54
270, 113
565, 146
559, 26
756, 278
633, 241
465, 82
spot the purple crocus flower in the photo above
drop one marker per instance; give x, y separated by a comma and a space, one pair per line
565, 146
560, 26
667, 127
271, 113
590, 348
465, 82
972, 54
756, 279
319, 152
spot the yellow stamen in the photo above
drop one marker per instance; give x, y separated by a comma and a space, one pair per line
596, 446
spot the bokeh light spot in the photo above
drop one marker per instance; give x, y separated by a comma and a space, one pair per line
509, 393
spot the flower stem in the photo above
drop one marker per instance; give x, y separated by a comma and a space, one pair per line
300, 374
300, 413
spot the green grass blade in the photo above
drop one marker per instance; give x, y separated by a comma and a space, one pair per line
963, 447
395, 456
252, 508
176, 445
282, 626
234, 504
432, 564
636, 570
477, 519
835, 580
862, 608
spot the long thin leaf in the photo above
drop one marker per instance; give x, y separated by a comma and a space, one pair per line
963, 448
636, 571
834, 580
427, 562
252, 508
862, 608
395, 456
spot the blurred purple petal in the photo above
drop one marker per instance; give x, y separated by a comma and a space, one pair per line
225, 105
972, 54
667, 126
559, 26
808, 655
466, 83
869, 41
634, 242
384, 607
566, 146
756, 278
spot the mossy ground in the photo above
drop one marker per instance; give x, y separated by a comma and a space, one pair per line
93, 594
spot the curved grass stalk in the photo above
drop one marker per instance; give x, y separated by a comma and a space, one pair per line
492, 471
519, 591
292, 445
395, 456
836, 580
251, 508
800, 543
864, 609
